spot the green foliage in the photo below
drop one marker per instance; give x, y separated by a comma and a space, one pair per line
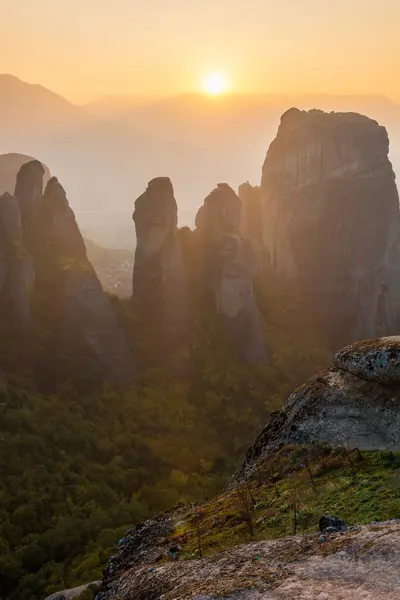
79, 467
375, 497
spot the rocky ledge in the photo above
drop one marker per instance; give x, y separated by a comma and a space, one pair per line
361, 563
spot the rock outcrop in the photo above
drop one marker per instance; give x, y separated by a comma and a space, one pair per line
331, 221
159, 279
10, 165
73, 592
48, 285
374, 360
229, 271
357, 404
362, 564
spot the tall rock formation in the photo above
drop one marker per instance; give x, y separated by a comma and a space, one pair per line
17, 273
252, 224
48, 284
229, 271
331, 220
159, 280
84, 319
10, 165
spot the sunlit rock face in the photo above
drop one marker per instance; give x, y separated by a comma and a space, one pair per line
229, 272
48, 287
159, 280
331, 220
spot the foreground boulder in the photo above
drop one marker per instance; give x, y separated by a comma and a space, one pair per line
72, 592
338, 407
331, 221
374, 360
228, 268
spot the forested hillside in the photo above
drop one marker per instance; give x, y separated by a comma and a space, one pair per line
79, 467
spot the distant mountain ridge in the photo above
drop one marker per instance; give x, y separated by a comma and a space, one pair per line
107, 151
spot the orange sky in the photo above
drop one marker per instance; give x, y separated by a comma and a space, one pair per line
86, 48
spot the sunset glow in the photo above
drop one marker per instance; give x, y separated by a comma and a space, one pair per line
151, 49
215, 84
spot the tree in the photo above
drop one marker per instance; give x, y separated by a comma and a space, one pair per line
245, 502
198, 519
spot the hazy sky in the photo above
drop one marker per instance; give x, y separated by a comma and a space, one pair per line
86, 48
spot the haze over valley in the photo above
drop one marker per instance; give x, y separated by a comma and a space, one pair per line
107, 150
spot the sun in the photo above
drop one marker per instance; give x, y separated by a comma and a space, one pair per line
214, 84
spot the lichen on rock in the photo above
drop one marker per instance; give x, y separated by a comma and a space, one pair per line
374, 360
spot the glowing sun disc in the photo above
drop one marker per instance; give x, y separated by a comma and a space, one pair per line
214, 84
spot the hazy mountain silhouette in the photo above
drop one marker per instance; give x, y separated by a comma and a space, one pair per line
104, 164
107, 151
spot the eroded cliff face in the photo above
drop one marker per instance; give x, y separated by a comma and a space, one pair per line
49, 289
331, 220
229, 271
159, 280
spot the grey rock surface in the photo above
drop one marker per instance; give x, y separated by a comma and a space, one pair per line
361, 565
335, 407
374, 360
72, 592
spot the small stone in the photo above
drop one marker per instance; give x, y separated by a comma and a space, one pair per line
332, 524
